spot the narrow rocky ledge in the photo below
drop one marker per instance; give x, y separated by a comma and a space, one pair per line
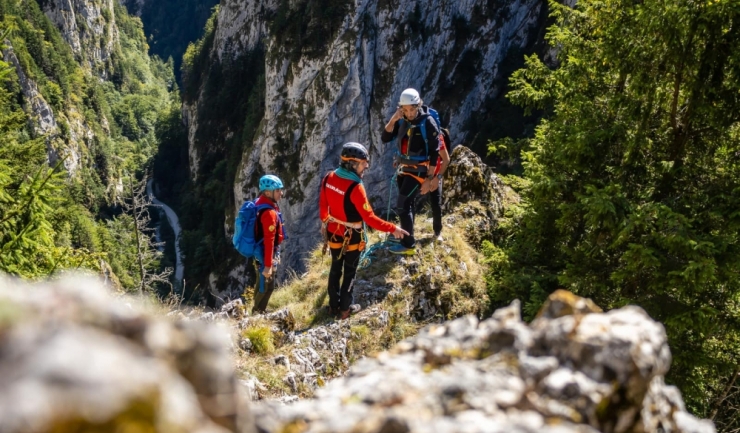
75, 358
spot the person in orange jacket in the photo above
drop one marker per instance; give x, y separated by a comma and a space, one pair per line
343, 206
269, 229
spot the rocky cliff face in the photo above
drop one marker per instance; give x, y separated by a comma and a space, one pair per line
77, 359
43, 119
89, 27
320, 94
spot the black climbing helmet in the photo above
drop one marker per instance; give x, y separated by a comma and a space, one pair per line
354, 152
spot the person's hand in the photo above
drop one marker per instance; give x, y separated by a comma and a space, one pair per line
434, 184
399, 233
398, 115
425, 186
267, 272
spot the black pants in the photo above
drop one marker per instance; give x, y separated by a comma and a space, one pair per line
261, 298
408, 189
340, 295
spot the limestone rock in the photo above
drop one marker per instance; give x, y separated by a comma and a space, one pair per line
74, 358
588, 372
468, 179
77, 359
89, 27
564, 303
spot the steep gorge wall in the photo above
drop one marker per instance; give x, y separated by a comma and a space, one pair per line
90, 30
89, 27
321, 91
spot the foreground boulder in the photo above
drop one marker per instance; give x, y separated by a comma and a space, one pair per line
75, 359
574, 369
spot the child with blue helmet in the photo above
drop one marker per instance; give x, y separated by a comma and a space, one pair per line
268, 229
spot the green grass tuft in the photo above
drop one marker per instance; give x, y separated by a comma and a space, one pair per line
261, 338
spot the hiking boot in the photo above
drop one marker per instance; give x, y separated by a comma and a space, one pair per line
333, 312
438, 237
401, 250
353, 309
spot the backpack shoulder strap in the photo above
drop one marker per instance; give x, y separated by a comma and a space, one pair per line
348, 194
423, 127
351, 188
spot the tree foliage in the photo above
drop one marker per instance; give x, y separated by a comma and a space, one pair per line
171, 25
634, 190
29, 193
51, 219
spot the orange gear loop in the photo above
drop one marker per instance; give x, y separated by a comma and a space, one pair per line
344, 245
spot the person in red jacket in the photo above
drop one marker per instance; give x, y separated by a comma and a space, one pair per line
269, 230
343, 206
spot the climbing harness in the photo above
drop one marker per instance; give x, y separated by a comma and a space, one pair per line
349, 226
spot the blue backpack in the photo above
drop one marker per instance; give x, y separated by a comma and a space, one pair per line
244, 230
423, 126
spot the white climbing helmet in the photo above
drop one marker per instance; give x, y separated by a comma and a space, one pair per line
409, 97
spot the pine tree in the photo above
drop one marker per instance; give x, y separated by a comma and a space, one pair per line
635, 176
29, 192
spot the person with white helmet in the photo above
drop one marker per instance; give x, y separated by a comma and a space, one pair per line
417, 153
270, 232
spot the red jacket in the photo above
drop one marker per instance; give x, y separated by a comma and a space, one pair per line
439, 158
353, 207
269, 228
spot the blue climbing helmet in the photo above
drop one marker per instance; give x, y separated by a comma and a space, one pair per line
270, 182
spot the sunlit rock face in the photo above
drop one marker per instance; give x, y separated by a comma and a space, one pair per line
89, 27
43, 119
74, 358
316, 100
574, 369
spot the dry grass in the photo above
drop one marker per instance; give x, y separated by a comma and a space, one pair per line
452, 272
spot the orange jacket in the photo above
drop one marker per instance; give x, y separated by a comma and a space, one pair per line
269, 228
349, 207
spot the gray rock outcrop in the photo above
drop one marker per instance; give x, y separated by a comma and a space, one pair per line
43, 120
575, 369
73, 358
89, 27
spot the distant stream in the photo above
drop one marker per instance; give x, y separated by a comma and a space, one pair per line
175, 224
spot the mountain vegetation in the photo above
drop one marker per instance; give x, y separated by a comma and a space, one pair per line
629, 194
631, 184
54, 218
171, 25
